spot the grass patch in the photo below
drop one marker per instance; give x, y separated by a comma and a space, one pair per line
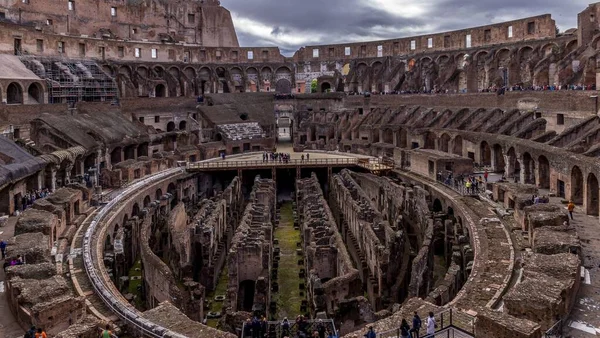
221, 289
135, 285
288, 298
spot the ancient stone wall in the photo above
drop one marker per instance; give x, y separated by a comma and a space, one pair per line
251, 253
332, 277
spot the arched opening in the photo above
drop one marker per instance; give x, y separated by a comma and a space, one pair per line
402, 138
512, 167
485, 154
246, 295
529, 169
437, 206
160, 90
325, 87
158, 194
170, 126
135, 211
283, 86
444, 143
142, 149
182, 125
388, 136
593, 192
498, 160
576, 185
429, 141
172, 190
457, 148
544, 172
116, 155
14, 94
147, 201
35, 93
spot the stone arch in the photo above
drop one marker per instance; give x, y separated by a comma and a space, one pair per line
325, 87
204, 78
543, 172
576, 185
548, 48
283, 71
402, 138
183, 125
429, 141
147, 201
283, 86
387, 136
442, 59
135, 210
158, 194
498, 163
570, 46
142, 71
437, 206
485, 154
444, 143
174, 71
160, 90
525, 52
14, 93
457, 147
125, 70
35, 92
116, 155
170, 126
592, 195
528, 169
512, 164
266, 73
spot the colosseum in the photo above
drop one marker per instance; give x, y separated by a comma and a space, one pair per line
159, 180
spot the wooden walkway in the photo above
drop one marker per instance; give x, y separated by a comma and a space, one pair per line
373, 165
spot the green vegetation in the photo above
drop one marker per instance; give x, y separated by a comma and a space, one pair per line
288, 298
135, 284
313, 86
220, 290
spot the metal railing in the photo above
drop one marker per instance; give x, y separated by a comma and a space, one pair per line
556, 331
102, 289
275, 329
451, 323
461, 188
224, 164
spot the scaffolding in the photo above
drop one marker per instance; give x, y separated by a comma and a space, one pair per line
72, 80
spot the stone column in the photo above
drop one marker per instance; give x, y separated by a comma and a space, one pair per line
53, 179
522, 171
40, 180
68, 169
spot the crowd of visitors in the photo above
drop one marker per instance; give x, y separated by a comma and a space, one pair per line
491, 89
407, 332
35, 333
277, 157
30, 197
466, 184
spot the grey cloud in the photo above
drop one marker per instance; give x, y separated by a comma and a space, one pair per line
340, 21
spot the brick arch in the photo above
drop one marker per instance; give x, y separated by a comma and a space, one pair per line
480, 54
441, 58
36, 92
523, 49
14, 93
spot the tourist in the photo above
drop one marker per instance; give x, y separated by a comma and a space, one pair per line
302, 158
404, 329
255, 327
371, 333
468, 185
106, 332
307, 157
321, 329
30, 333
485, 175
248, 328
431, 324
3, 248
536, 200
571, 207
416, 322
330, 334
285, 327
40, 334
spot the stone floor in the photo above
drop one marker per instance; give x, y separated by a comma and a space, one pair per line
8, 323
287, 148
585, 318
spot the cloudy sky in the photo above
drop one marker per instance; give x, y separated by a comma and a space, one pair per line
290, 24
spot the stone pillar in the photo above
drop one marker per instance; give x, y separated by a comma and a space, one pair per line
396, 138
493, 159
135, 152
522, 171
68, 169
53, 179
40, 180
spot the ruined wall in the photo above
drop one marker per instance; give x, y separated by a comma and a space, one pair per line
202, 23
251, 254
332, 277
